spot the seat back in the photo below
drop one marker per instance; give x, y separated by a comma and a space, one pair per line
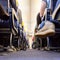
54, 41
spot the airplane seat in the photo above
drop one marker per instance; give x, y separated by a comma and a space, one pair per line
7, 27
53, 42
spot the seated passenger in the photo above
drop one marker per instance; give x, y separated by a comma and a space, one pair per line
47, 28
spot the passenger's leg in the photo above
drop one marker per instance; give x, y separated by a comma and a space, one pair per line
38, 19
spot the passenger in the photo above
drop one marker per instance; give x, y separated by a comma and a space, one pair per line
46, 28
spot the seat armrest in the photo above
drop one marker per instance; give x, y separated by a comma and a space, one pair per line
13, 15
13, 18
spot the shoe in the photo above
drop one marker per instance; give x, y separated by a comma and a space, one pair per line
47, 30
3, 14
11, 49
1, 48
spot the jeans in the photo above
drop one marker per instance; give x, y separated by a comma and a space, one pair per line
41, 25
17, 26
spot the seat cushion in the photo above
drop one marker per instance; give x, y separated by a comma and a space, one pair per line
4, 24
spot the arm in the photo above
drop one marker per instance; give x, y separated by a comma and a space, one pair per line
43, 5
19, 14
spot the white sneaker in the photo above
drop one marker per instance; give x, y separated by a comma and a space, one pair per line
11, 49
47, 30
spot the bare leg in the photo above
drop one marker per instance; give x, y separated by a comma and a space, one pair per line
42, 8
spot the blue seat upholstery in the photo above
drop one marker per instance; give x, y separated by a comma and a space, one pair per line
4, 3
4, 24
8, 28
54, 41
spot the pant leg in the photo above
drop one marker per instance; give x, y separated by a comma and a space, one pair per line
56, 22
38, 19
